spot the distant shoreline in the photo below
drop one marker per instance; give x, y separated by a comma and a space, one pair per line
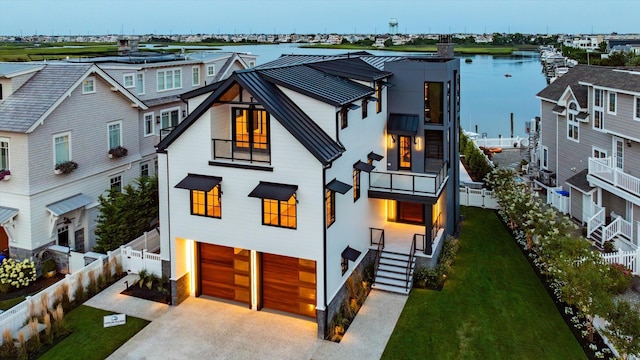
458, 49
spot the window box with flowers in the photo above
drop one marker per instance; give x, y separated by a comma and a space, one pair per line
118, 152
5, 175
65, 167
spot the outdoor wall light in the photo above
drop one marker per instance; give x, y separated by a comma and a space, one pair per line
158, 119
628, 143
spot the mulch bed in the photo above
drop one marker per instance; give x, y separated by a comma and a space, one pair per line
145, 293
34, 287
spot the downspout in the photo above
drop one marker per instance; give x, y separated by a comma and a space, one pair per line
168, 215
324, 246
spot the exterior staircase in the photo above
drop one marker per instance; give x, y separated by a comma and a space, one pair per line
596, 236
391, 273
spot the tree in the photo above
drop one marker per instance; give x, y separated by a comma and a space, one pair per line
388, 42
623, 329
580, 276
126, 215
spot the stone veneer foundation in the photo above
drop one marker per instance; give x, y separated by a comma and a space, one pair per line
180, 289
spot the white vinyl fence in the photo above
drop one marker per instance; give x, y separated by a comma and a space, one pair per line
136, 260
627, 258
477, 198
149, 241
15, 317
131, 260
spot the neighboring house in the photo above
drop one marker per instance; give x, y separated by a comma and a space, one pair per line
284, 179
61, 113
134, 96
158, 80
590, 150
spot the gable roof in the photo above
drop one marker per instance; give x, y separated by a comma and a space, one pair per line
26, 108
283, 109
317, 84
580, 77
351, 68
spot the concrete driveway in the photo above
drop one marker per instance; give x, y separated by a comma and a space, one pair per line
204, 328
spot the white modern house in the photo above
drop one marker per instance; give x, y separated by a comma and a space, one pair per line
285, 179
590, 150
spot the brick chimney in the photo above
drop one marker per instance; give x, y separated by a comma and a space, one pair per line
445, 46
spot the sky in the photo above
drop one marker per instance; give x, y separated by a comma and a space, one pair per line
136, 17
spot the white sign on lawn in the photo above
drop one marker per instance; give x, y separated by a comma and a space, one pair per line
115, 320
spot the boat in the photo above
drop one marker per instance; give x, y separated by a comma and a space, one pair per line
468, 60
507, 75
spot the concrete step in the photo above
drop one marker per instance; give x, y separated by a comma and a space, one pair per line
393, 262
394, 256
394, 289
391, 281
391, 275
395, 269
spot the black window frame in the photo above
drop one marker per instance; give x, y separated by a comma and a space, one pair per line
206, 206
428, 101
251, 144
356, 183
365, 104
279, 217
344, 265
330, 206
115, 183
378, 90
344, 118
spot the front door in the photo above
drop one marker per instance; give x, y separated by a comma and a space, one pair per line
618, 153
404, 152
79, 240
4, 239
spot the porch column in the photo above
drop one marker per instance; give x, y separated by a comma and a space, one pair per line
428, 215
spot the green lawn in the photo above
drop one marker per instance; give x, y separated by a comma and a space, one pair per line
90, 340
9, 303
492, 307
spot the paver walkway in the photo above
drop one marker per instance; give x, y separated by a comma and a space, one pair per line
202, 328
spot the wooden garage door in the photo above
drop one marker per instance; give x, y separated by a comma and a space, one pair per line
224, 272
289, 284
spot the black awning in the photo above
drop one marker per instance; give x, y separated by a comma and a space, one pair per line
350, 253
199, 182
353, 106
267, 190
338, 186
403, 124
364, 166
372, 98
375, 157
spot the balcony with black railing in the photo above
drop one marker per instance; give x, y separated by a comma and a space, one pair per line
238, 151
398, 182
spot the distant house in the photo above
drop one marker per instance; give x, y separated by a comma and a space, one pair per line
286, 179
590, 150
53, 114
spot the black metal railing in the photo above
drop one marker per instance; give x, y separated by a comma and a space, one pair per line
410, 262
419, 184
435, 227
421, 242
228, 150
380, 243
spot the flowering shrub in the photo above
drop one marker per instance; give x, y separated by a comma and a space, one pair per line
620, 278
16, 274
4, 173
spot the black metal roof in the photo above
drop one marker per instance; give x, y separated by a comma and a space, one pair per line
351, 68
351, 253
338, 186
268, 190
403, 124
375, 157
283, 109
363, 166
199, 182
328, 88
